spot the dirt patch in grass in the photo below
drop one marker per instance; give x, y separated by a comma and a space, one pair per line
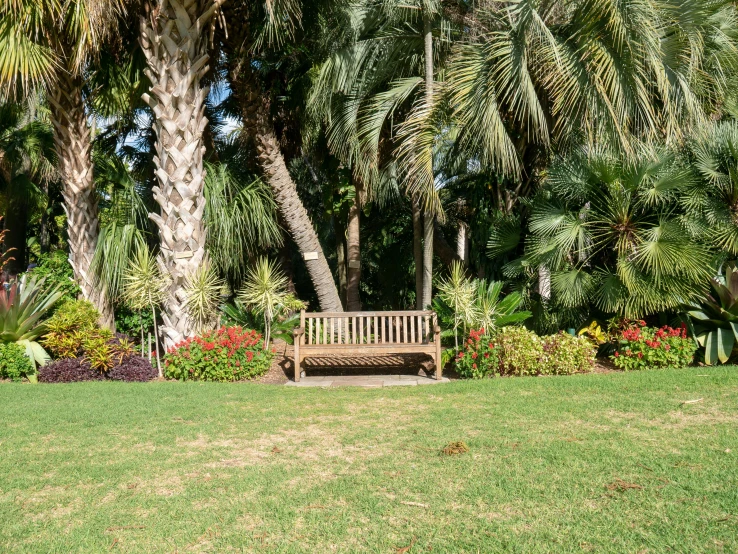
455, 448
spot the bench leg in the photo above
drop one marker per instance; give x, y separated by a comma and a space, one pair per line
439, 368
297, 362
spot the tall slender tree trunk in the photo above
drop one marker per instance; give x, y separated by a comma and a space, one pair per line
428, 219
418, 253
462, 243
340, 231
353, 242
73, 145
174, 39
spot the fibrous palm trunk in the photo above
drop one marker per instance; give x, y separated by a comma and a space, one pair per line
73, 145
353, 242
418, 253
174, 39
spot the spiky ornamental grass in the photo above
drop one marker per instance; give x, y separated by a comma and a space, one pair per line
145, 287
265, 292
203, 290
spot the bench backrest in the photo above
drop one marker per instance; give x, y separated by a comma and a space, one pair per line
408, 327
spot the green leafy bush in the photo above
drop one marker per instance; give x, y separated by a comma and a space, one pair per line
641, 347
566, 354
130, 322
479, 358
521, 351
14, 364
226, 354
54, 268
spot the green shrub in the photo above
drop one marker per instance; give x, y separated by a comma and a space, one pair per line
14, 364
641, 347
521, 351
566, 354
226, 354
54, 268
479, 358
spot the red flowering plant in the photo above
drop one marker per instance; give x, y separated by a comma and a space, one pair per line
479, 356
642, 347
225, 354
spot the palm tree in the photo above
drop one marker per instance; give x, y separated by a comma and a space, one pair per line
251, 28
607, 229
50, 43
174, 39
533, 74
713, 196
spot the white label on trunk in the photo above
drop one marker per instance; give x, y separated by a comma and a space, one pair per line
354, 264
310, 256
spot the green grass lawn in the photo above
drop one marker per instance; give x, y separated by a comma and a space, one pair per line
600, 463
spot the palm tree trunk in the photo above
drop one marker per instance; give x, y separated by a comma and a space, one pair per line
74, 151
257, 121
269, 154
462, 244
340, 231
174, 40
14, 238
428, 219
353, 242
418, 253
428, 222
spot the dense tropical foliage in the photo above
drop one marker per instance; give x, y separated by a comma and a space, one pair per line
546, 163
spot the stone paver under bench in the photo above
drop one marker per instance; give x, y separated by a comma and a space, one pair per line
368, 381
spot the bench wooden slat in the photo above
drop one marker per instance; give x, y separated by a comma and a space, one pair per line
309, 315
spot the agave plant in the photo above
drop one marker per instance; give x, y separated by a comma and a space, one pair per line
22, 306
715, 322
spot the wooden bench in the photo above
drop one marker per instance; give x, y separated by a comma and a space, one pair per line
367, 334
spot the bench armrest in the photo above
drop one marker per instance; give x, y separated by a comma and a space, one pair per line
299, 331
437, 329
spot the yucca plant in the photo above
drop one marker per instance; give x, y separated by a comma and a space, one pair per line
202, 291
145, 287
22, 306
714, 322
265, 292
457, 292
